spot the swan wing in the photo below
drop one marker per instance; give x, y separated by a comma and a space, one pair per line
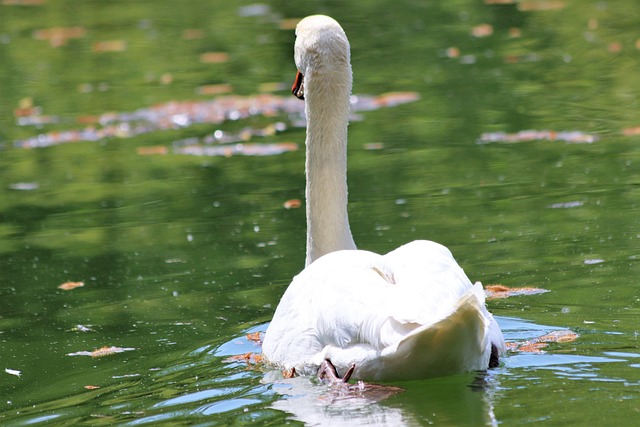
411, 308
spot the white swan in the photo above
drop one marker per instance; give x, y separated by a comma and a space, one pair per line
409, 314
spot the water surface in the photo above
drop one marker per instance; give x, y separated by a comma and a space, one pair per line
183, 255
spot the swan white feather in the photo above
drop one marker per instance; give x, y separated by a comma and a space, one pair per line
409, 314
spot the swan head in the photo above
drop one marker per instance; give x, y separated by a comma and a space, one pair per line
322, 54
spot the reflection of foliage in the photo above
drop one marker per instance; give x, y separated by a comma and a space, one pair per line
206, 241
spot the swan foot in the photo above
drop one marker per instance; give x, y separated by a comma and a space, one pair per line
289, 373
327, 372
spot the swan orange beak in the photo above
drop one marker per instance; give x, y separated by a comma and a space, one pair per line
298, 87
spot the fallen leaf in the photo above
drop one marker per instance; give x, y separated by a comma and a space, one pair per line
482, 30
497, 291
214, 57
67, 286
248, 358
110, 46
102, 351
214, 89
631, 131
452, 52
254, 336
537, 344
559, 336
288, 24
147, 151
292, 204
530, 6
192, 34
58, 36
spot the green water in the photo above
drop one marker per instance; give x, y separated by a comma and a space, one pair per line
181, 255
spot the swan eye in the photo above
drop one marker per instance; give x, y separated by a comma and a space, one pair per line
298, 86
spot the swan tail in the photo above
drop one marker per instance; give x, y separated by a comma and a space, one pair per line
457, 343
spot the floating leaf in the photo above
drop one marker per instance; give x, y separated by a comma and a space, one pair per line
192, 34
248, 358
158, 149
67, 286
214, 57
500, 291
288, 24
58, 36
13, 372
254, 336
530, 6
110, 46
482, 30
173, 115
631, 131
214, 89
292, 204
102, 351
537, 344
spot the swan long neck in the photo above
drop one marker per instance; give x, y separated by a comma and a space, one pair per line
327, 105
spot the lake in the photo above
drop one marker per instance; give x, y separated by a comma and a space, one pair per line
152, 203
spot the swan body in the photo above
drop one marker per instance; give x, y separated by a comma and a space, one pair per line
409, 314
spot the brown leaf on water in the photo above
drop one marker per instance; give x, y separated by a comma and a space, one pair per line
559, 336
102, 351
254, 336
152, 150
391, 99
58, 36
631, 131
537, 344
497, 291
248, 358
452, 52
292, 204
110, 46
482, 30
288, 24
192, 34
67, 286
539, 5
214, 89
214, 57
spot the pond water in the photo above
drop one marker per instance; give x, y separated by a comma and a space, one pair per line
147, 151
